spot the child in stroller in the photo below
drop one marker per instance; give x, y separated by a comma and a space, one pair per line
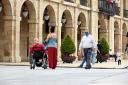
38, 55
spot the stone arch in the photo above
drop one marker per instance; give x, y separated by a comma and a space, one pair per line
5, 25
7, 7
124, 39
28, 29
31, 9
82, 19
116, 36
67, 26
68, 16
49, 11
81, 22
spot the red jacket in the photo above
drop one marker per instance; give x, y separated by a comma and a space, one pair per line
37, 47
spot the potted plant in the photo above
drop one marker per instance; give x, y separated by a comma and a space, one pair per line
67, 48
105, 49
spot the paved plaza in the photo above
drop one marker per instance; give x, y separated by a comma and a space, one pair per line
22, 75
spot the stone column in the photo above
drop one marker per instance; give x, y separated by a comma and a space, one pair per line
40, 30
59, 40
33, 30
9, 41
12, 37
17, 39
111, 33
94, 19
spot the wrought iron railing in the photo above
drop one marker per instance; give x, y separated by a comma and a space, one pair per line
125, 13
109, 8
84, 2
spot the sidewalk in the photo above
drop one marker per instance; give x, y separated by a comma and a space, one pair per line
103, 65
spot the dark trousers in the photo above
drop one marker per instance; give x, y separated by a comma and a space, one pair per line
52, 57
119, 62
87, 56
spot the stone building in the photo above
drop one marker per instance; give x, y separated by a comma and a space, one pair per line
22, 20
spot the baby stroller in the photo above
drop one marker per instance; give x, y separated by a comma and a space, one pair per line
38, 56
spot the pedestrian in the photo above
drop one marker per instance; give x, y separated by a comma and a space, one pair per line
99, 51
94, 53
52, 48
118, 54
86, 47
126, 49
111, 54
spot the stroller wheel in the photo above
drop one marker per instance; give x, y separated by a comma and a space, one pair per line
44, 66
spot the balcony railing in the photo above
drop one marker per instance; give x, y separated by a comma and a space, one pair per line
72, 1
125, 13
109, 8
84, 2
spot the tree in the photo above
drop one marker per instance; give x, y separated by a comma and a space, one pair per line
68, 45
105, 46
67, 48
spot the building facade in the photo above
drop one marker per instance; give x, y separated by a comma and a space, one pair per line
22, 20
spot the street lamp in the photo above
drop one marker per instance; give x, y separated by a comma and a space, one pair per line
25, 11
63, 20
0, 6
46, 16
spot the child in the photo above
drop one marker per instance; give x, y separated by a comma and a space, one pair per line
118, 54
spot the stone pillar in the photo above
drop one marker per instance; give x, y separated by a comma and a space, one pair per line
59, 40
121, 8
111, 33
75, 33
40, 30
94, 19
9, 41
17, 39
33, 30
12, 37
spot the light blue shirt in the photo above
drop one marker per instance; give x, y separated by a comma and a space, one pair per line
52, 42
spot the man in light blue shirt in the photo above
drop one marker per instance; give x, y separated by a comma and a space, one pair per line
86, 46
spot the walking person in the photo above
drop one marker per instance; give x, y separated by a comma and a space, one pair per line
86, 47
126, 49
94, 53
99, 51
52, 48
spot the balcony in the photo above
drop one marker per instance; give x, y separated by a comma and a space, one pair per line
72, 1
84, 2
125, 13
108, 8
